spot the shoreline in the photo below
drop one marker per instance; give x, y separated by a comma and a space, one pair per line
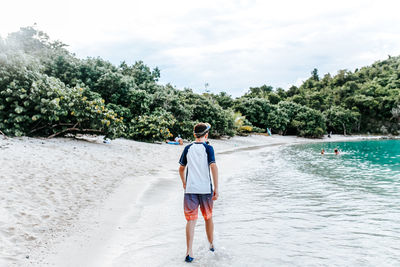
60, 194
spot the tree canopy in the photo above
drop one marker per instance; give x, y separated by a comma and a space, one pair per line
47, 91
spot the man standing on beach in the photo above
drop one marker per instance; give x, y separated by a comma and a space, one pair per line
198, 159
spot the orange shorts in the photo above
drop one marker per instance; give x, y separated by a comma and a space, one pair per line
191, 205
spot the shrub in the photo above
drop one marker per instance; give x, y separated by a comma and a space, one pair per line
36, 104
256, 110
152, 127
303, 121
341, 120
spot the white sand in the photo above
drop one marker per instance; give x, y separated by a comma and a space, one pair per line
63, 200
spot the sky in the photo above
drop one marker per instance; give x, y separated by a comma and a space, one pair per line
230, 44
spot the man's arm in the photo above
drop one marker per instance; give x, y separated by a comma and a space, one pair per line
214, 171
182, 174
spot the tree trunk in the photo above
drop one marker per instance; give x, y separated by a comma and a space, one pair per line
75, 130
5, 136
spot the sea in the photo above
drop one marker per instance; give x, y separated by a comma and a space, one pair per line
285, 206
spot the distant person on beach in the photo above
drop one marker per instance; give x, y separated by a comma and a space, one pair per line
177, 141
336, 151
199, 159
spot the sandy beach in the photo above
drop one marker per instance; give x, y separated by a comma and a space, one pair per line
67, 202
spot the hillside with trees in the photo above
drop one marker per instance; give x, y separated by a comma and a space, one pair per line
45, 90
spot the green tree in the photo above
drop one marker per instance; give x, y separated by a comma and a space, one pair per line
341, 120
278, 120
256, 110
314, 75
262, 91
224, 100
302, 121
152, 127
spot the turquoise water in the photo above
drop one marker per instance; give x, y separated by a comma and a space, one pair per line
373, 166
297, 207
383, 155
282, 206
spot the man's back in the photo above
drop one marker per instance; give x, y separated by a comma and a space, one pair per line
196, 163
197, 157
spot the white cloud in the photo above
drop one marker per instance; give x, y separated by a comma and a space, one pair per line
232, 45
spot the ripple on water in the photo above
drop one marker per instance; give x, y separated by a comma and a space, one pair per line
302, 208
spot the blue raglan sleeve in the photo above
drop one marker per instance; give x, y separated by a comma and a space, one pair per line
210, 154
183, 159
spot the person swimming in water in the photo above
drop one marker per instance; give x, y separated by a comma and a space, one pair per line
336, 151
322, 151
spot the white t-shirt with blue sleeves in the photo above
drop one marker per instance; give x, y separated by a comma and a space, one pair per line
197, 157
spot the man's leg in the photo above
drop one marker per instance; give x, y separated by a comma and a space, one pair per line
191, 205
206, 207
190, 236
210, 230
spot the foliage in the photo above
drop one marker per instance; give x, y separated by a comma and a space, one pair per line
243, 126
205, 109
265, 91
153, 127
278, 120
223, 99
46, 90
245, 129
301, 120
396, 113
36, 104
342, 120
255, 109
40, 86
262, 91
239, 120
364, 97
309, 123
